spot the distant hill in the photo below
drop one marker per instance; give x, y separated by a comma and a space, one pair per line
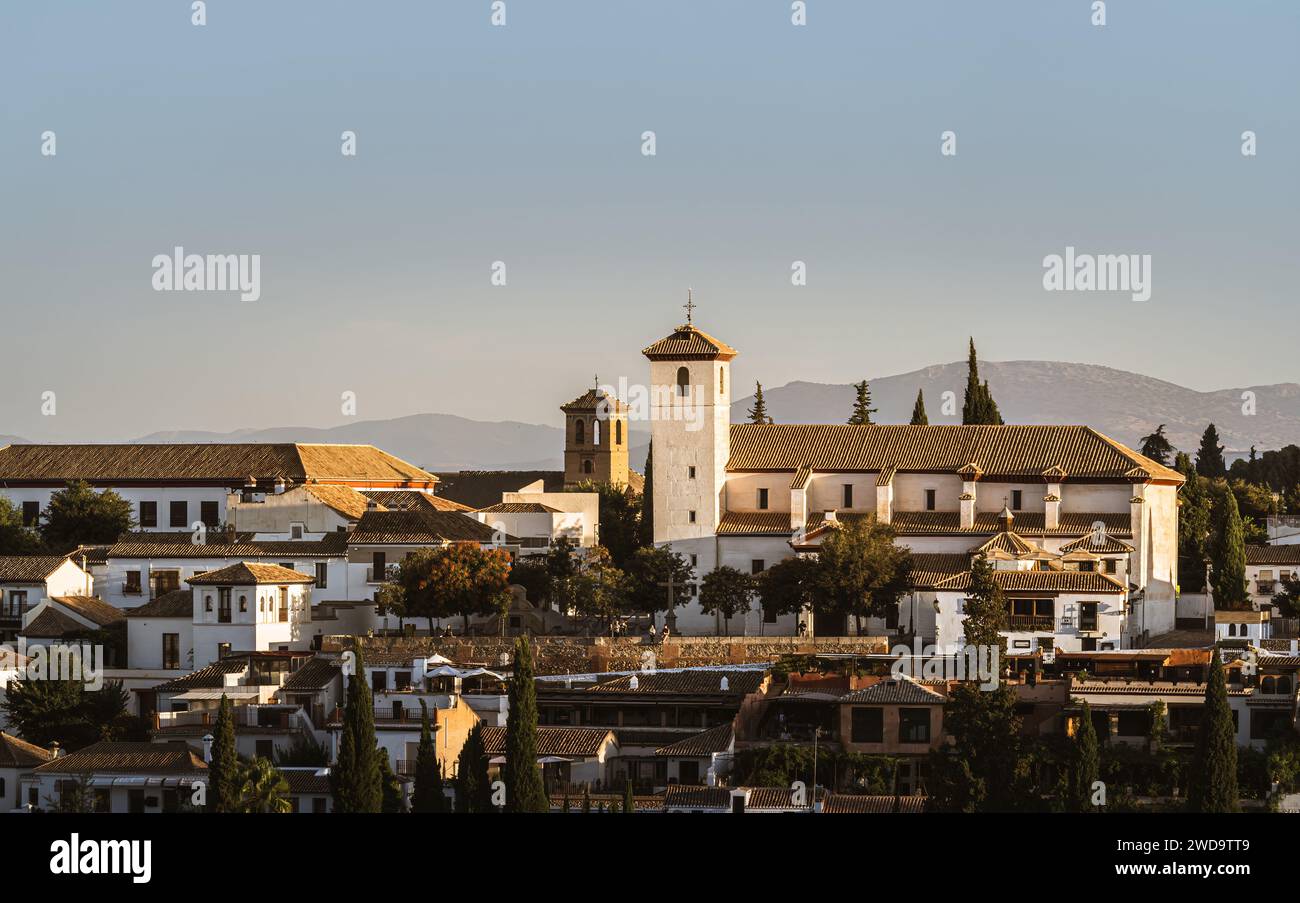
1123, 405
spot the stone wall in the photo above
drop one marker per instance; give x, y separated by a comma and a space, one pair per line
581, 655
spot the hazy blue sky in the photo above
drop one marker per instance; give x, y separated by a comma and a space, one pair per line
522, 144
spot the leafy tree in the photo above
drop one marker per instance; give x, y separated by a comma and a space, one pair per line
473, 789
985, 607
1209, 458
224, 777
1256, 503
758, 413
861, 572
303, 750
726, 592
525, 791
862, 409
1157, 446
599, 589
1083, 763
620, 520
1287, 598
15, 537
1213, 785
75, 796
262, 789
789, 586
459, 579
43, 711
1228, 552
428, 795
532, 574
648, 500
985, 769
919, 417
390, 788
78, 515
978, 407
652, 567
356, 778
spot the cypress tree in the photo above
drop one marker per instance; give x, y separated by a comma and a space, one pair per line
1213, 784
1209, 457
862, 409
985, 607
473, 790
428, 795
758, 413
919, 417
586, 800
1228, 552
647, 525
1083, 763
629, 803
978, 407
357, 782
223, 770
390, 787
525, 791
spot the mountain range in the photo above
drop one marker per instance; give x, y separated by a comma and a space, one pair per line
1125, 406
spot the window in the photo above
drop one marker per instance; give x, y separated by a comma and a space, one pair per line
16, 605
295, 531
867, 725
1110, 566
690, 473
618, 432
223, 605
209, 514
284, 605
914, 725
148, 514
179, 514
683, 382
322, 574
318, 805
848, 495
288, 565
243, 602
757, 566
165, 582
207, 602
579, 432
929, 500
379, 680
722, 381
135, 800
691, 516
223, 649
1017, 497
379, 563
595, 432
586, 466
31, 513
1087, 615
171, 651
762, 499
695, 559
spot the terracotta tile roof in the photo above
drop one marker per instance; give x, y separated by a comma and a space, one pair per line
1146, 688
1103, 544
689, 344
15, 753
480, 488
890, 691
801, 477
420, 527
1273, 554
230, 463
592, 401
179, 603
929, 568
848, 804
211, 677
691, 683
1010, 543
1005, 451
583, 742
308, 781
688, 796
755, 523
1041, 582
29, 568
316, 674
52, 624
344, 499
404, 499
113, 757
247, 573
705, 743
1027, 523
519, 508
92, 555
91, 608
143, 545
887, 474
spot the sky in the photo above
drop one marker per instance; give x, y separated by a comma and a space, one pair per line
522, 143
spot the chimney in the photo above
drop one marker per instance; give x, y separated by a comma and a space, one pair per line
831, 517
56, 749
634, 683
279, 485
968, 509
207, 748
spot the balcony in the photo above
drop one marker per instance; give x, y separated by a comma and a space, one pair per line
1031, 622
1265, 587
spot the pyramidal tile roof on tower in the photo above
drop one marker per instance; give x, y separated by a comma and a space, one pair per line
687, 343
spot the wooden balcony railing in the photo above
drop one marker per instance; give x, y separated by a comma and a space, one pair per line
1031, 622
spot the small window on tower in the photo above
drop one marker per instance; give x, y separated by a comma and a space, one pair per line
595, 432
762, 499
929, 500
848, 495
722, 381
690, 472
618, 432
586, 466
1017, 496
692, 517
579, 432
683, 381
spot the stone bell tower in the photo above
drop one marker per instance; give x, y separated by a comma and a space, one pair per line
595, 440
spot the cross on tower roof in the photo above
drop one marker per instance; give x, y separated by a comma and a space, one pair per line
690, 306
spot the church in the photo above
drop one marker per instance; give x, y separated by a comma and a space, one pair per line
1081, 530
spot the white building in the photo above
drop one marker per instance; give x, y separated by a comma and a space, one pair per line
19, 787
1252, 626
743, 495
1267, 569
28, 580
250, 608
70, 619
175, 487
124, 777
540, 519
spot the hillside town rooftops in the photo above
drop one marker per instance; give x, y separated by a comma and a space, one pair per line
579, 742
219, 545
1288, 554
16, 753
686, 343
1086, 582
114, 757
91, 608
179, 603
415, 527
29, 568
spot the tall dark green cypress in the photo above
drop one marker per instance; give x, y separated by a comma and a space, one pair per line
629, 801
1209, 457
525, 791
428, 794
473, 790
1228, 551
647, 525
356, 778
862, 409
978, 407
223, 770
758, 413
919, 417
1083, 763
1213, 785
